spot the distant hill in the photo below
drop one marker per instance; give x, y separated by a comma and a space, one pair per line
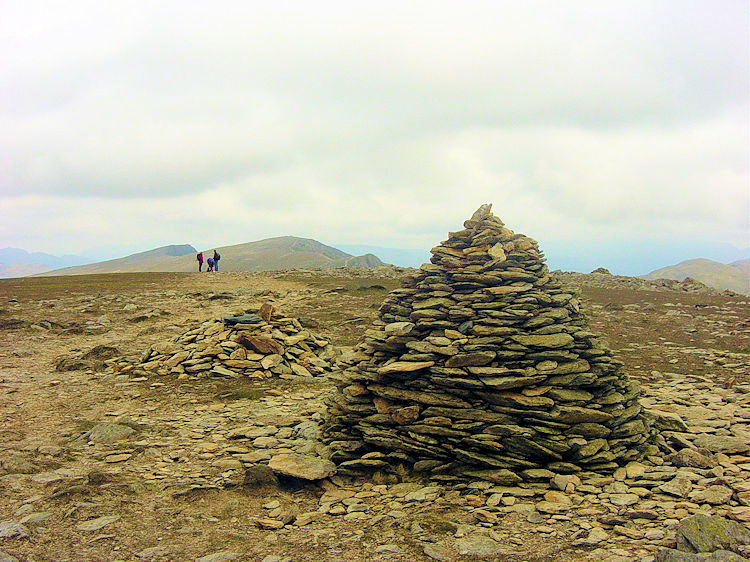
10, 256
285, 252
15, 262
712, 273
150, 260
365, 260
743, 265
21, 269
396, 256
623, 256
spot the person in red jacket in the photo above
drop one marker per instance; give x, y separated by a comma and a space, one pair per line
200, 261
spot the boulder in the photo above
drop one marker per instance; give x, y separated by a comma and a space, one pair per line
258, 475
692, 458
109, 433
707, 533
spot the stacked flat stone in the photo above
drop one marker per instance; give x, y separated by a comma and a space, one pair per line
258, 348
481, 365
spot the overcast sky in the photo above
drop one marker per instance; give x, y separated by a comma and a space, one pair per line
139, 124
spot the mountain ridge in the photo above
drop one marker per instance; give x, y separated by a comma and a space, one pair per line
714, 274
15, 255
282, 252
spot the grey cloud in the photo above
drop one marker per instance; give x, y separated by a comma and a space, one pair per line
183, 106
360, 119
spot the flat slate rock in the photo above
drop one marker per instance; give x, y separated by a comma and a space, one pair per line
722, 443
672, 555
242, 319
306, 467
13, 530
405, 366
153, 552
549, 341
679, 486
98, 523
714, 495
501, 476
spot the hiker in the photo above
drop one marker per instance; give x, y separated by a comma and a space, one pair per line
210, 264
200, 261
217, 257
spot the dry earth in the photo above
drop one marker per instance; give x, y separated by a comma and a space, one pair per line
175, 489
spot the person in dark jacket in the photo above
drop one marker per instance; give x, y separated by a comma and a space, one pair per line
217, 257
199, 257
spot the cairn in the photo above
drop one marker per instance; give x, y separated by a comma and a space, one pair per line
481, 366
253, 345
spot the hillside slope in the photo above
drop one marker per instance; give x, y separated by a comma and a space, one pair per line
285, 252
743, 265
712, 273
150, 260
21, 269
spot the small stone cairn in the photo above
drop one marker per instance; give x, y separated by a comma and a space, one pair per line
257, 346
481, 366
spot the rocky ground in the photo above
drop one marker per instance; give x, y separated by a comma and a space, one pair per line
601, 277
105, 465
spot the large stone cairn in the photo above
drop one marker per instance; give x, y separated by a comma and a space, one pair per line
249, 345
481, 366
